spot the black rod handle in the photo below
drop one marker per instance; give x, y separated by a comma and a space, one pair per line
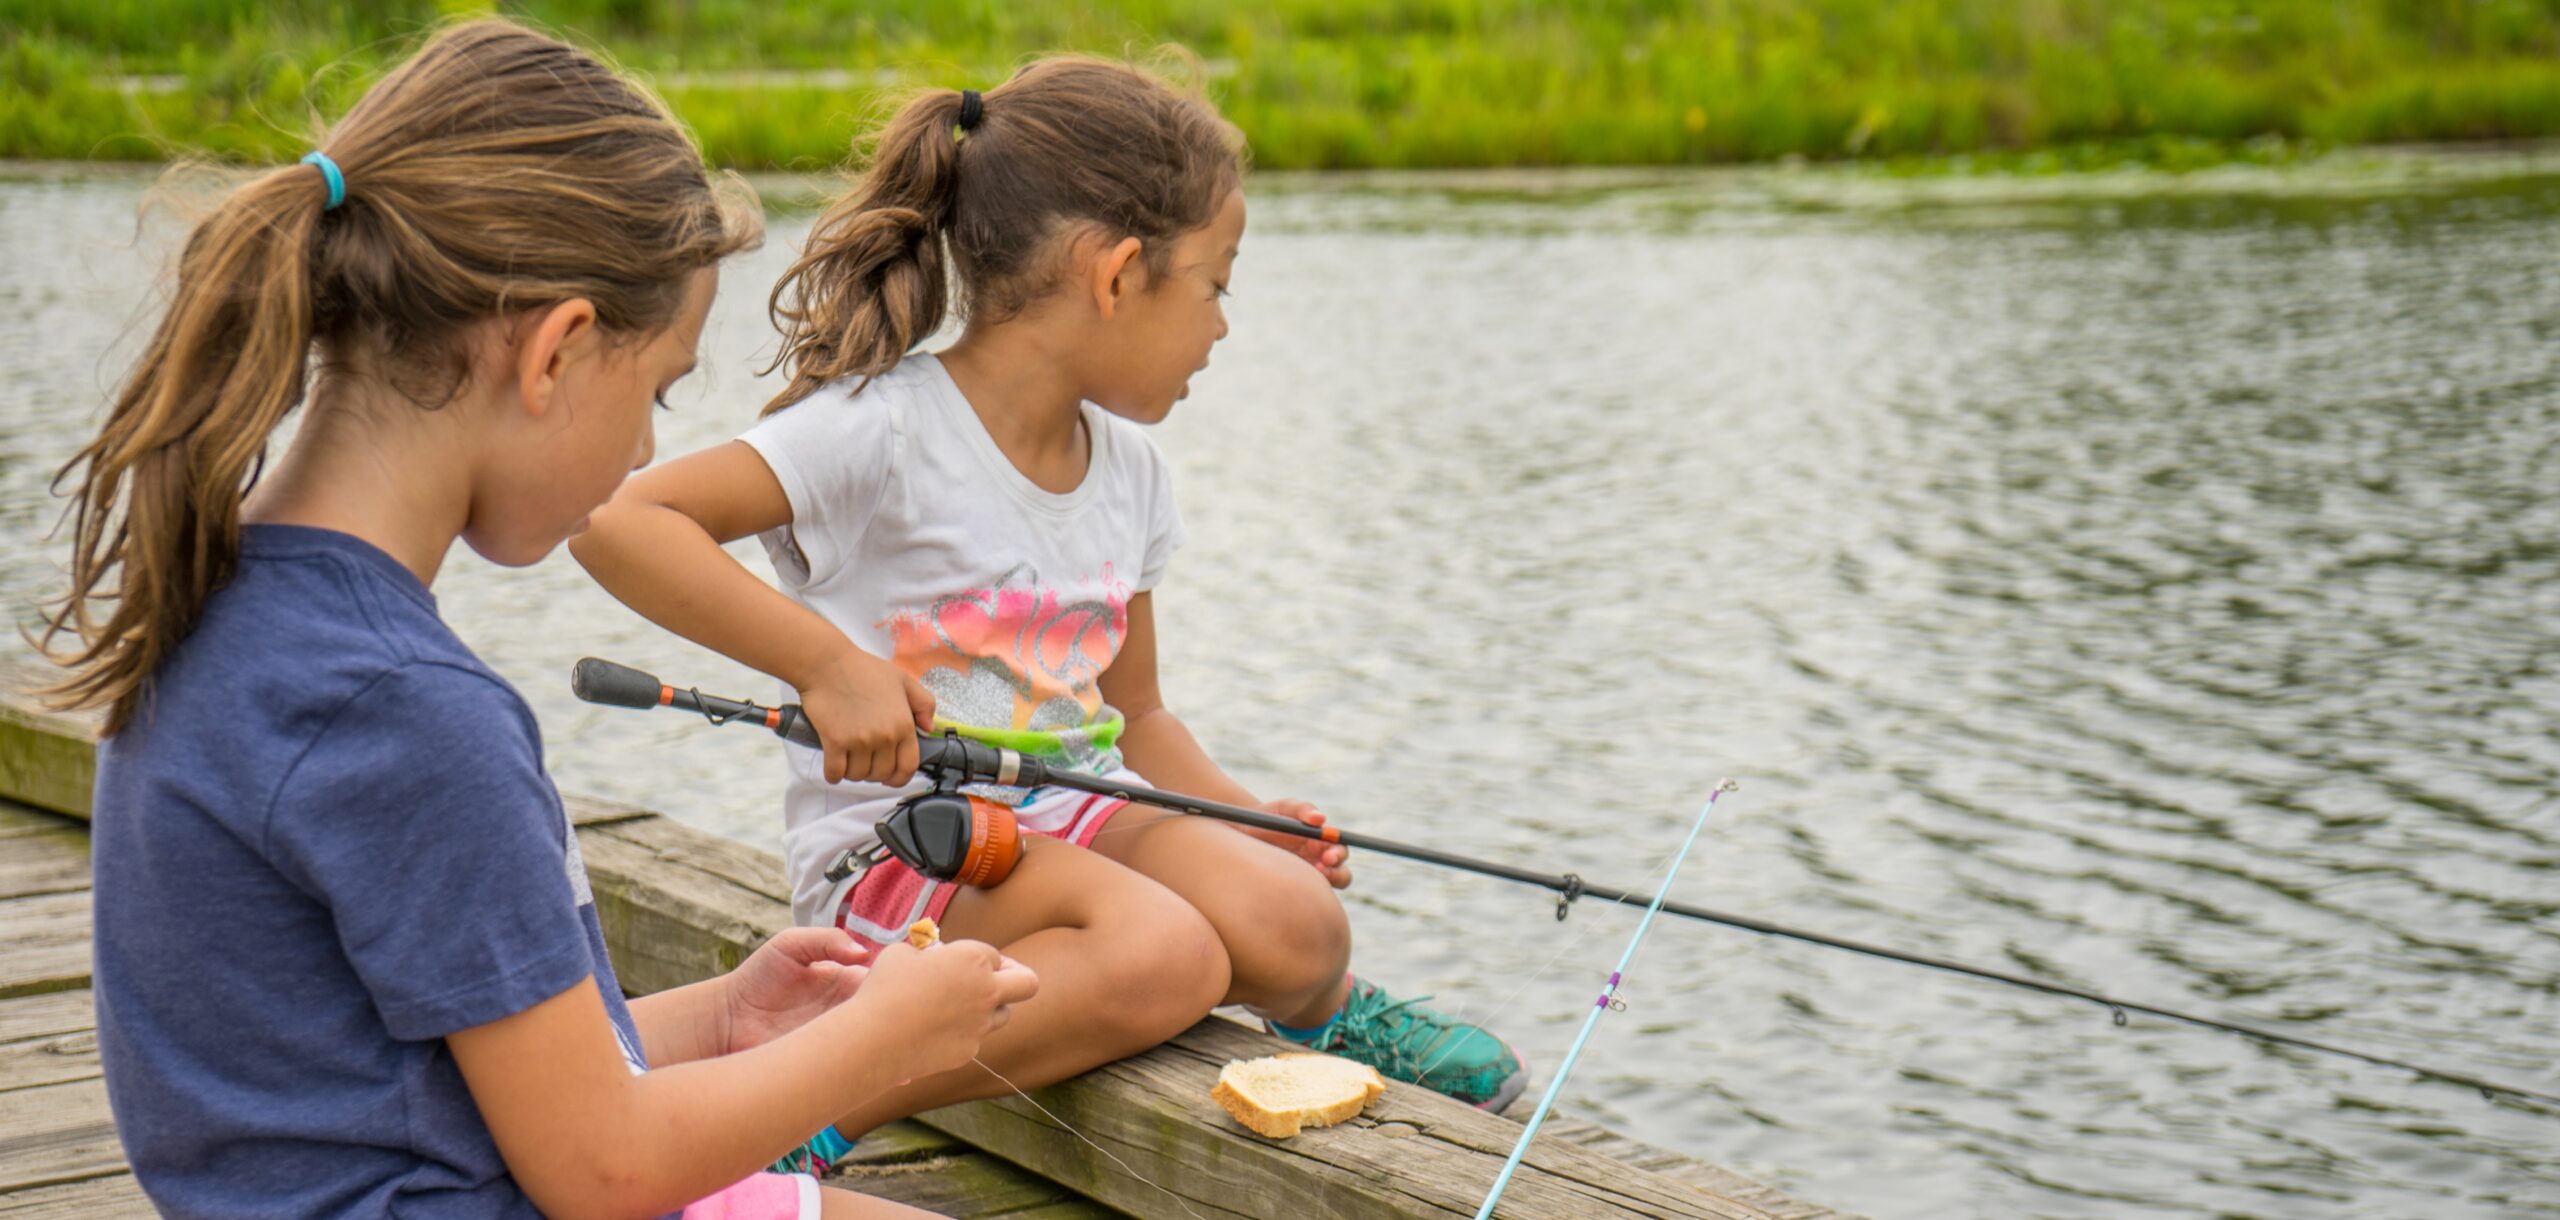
612, 684
597, 680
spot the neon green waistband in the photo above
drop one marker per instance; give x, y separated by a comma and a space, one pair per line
1040, 743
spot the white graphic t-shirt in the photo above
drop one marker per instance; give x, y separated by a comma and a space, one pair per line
915, 535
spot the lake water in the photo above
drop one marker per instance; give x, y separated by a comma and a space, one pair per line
2145, 583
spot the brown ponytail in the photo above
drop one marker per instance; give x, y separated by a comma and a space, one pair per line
496, 170
1067, 142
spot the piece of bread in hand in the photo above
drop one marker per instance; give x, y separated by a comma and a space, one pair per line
924, 934
1280, 1095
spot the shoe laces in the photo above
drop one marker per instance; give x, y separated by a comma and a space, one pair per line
1371, 1018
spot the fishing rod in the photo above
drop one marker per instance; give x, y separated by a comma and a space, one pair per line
1608, 1002
949, 835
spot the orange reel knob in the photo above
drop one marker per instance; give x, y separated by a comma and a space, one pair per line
995, 844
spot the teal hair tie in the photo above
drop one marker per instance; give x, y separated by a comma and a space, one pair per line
329, 170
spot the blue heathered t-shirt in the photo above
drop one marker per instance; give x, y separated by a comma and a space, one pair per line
326, 842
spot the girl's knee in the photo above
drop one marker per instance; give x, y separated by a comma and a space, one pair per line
1301, 940
1168, 968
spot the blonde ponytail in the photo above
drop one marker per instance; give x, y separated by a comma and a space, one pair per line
496, 170
157, 501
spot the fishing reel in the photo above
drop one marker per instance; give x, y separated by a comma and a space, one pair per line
943, 833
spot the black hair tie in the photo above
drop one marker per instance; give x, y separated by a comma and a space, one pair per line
973, 110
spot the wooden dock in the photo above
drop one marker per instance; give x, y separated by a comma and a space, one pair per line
679, 905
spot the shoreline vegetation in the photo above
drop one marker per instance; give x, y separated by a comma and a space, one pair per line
2326, 183
2023, 86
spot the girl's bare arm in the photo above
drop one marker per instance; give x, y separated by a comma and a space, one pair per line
1155, 741
1160, 747
585, 1137
656, 546
680, 1024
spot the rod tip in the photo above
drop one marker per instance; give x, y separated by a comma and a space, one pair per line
1727, 785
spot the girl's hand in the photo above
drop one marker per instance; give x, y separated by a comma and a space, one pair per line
867, 714
941, 1003
789, 979
1331, 859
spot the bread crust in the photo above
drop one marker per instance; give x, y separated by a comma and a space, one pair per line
1234, 1095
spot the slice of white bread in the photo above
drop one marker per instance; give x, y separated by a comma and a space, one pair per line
1279, 1095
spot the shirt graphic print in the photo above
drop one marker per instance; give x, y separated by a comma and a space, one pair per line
1018, 664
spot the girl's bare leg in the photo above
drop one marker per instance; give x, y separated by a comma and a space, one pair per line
1288, 942
1124, 963
1287, 938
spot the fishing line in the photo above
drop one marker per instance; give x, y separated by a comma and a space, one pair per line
1070, 1128
1608, 1003
1580, 938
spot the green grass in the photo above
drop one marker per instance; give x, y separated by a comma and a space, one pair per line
1400, 83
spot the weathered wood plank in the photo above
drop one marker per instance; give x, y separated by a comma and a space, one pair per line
32, 1062
48, 860
972, 1184
18, 820
57, 1133
47, 1016
901, 1143
595, 810
1414, 1154
112, 1196
44, 943
911, 1163
669, 923
749, 868
1084, 1209
48, 759
1630, 1151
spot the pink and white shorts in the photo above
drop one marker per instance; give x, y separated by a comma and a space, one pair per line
766, 1196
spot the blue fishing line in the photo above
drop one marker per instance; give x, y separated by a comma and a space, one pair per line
1608, 994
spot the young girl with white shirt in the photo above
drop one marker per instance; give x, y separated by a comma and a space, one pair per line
969, 541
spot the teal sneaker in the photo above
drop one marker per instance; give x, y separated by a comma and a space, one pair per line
815, 1157
1417, 1045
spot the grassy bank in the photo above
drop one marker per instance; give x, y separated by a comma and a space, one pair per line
1345, 83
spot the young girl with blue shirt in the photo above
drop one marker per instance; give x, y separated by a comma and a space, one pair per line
347, 960
969, 540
